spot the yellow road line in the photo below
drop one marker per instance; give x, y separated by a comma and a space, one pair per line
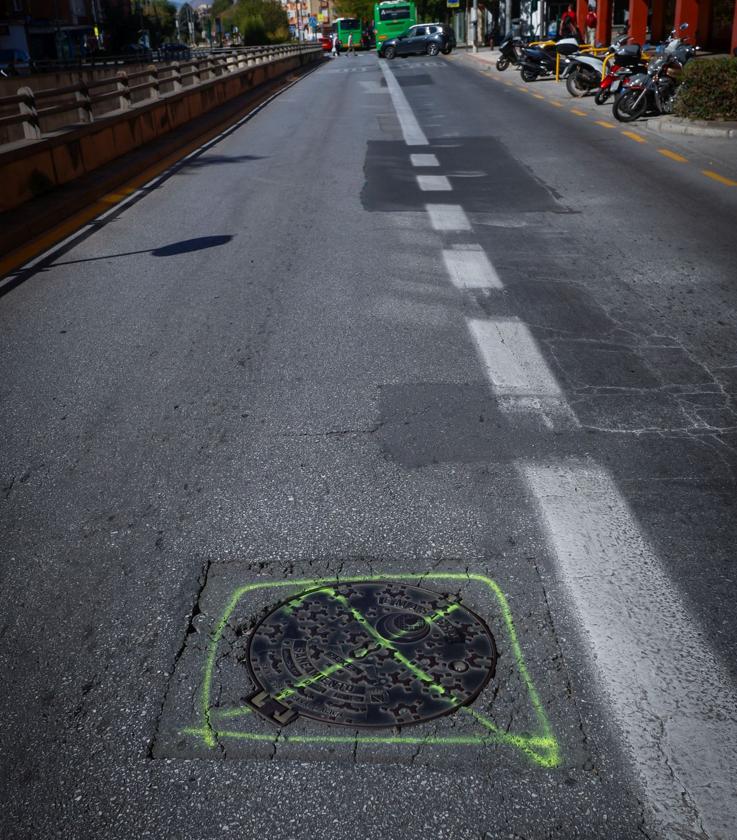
556, 104
510, 84
715, 176
538, 96
673, 155
578, 113
605, 124
635, 137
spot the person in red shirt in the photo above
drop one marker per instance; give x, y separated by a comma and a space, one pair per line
568, 28
591, 26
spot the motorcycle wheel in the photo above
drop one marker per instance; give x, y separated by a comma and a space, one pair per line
527, 74
502, 64
624, 108
602, 96
579, 83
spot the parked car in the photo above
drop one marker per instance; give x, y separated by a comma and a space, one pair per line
175, 51
15, 63
327, 44
430, 38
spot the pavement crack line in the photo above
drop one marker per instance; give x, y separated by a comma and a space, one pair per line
189, 628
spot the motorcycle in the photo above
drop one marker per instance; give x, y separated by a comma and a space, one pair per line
511, 50
626, 62
655, 90
586, 70
540, 61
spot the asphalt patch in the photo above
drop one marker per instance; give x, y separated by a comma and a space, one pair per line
483, 173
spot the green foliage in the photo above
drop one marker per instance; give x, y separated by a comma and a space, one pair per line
708, 90
258, 21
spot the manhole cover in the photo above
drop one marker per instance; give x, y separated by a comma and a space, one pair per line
377, 654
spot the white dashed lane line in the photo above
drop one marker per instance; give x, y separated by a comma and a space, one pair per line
424, 160
470, 268
517, 371
671, 698
448, 217
413, 134
433, 183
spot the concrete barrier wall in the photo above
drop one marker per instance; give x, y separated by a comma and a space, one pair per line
34, 167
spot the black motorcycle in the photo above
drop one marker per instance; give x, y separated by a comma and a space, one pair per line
655, 90
537, 62
511, 52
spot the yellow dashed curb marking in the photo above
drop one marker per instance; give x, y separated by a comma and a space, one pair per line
578, 113
673, 155
715, 176
605, 124
635, 137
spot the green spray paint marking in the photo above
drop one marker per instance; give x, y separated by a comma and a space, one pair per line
541, 748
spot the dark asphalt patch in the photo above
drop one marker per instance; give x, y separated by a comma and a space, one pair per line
483, 173
406, 80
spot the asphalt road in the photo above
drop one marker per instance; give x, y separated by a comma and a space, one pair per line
503, 369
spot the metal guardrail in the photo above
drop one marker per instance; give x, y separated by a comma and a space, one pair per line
81, 97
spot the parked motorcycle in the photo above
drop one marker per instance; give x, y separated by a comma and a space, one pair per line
540, 61
656, 89
511, 51
626, 62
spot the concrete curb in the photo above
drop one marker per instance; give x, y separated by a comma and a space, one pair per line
697, 128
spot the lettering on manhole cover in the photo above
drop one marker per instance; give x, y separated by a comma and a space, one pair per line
378, 654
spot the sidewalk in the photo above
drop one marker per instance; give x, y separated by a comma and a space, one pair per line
662, 125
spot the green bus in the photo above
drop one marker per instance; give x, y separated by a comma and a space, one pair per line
393, 17
343, 27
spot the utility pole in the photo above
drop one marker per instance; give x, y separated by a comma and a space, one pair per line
475, 24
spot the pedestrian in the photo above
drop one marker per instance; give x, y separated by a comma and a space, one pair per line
334, 41
351, 47
591, 26
568, 28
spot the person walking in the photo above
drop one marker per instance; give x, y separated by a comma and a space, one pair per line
591, 26
334, 41
351, 45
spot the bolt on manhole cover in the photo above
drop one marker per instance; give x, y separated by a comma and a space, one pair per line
377, 654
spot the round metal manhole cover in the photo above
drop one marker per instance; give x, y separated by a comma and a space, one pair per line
378, 654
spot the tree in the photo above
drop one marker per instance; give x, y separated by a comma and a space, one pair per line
258, 21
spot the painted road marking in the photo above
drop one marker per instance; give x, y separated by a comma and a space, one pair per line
671, 697
715, 176
538, 96
635, 137
433, 183
470, 268
517, 371
448, 217
673, 155
413, 134
605, 124
424, 160
578, 113
556, 104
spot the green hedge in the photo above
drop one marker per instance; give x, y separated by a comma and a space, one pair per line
709, 90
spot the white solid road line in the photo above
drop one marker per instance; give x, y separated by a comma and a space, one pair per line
448, 217
518, 373
672, 700
470, 268
413, 134
433, 183
424, 160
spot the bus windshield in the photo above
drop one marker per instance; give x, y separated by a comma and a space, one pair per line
349, 23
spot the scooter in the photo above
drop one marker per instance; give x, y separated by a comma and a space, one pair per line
540, 61
511, 50
586, 70
626, 62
